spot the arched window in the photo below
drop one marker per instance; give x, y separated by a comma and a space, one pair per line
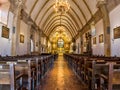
60, 43
93, 30
4, 9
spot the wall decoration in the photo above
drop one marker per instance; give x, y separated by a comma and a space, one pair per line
101, 38
21, 38
94, 40
5, 32
117, 32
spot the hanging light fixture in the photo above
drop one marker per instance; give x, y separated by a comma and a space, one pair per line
61, 6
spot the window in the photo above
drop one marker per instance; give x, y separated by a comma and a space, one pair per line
4, 13
60, 43
93, 30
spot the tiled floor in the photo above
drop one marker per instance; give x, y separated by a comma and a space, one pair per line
61, 77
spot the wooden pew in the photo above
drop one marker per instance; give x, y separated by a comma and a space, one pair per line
89, 69
25, 72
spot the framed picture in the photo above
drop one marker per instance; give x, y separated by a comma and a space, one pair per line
21, 38
117, 32
5, 32
94, 40
101, 38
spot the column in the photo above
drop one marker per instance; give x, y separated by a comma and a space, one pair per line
40, 34
16, 24
102, 6
81, 39
29, 37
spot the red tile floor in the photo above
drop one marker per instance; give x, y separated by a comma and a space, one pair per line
61, 77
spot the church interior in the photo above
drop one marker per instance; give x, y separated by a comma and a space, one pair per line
59, 45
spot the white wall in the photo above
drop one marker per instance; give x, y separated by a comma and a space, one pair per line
5, 44
23, 46
115, 22
98, 48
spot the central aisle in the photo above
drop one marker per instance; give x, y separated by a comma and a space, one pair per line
61, 77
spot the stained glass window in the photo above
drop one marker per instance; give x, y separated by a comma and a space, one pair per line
60, 43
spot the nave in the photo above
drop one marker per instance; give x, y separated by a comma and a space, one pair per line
61, 77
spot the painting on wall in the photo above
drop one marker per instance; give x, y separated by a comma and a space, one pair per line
94, 40
117, 32
5, 32
21, 38
101, 38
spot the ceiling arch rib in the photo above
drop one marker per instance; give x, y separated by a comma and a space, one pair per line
75, 12
54, 30
36, 1
45, 12
41, 9
65, 30
35, 10
53, 20
87, 6
52, 9
92, 6
85, 9
29, 7
80, 10
73, 31
50, 17
42, 12
57, 25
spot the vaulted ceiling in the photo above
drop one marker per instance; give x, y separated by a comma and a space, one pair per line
44, 15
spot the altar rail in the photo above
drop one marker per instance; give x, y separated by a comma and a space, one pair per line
24, 73
98, 73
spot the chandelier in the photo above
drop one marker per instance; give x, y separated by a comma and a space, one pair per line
61, 6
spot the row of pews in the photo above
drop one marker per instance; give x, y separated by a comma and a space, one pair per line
96, 72
24, 72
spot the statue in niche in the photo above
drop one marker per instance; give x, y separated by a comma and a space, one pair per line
88, 42
74, 47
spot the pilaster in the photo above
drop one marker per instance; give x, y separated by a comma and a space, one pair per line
16, 23
40, 46
81, 37
102, 6
29, 37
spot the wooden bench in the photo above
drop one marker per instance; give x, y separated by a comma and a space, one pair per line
92, 69
19, 73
